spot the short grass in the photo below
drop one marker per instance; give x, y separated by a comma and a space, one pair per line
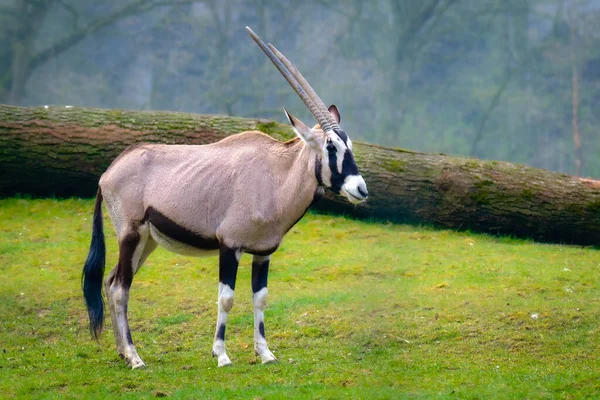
357, 310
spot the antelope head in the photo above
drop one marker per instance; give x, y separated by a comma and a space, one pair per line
335, 167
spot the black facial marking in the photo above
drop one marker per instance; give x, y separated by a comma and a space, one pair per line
330, 147
179, 233
261, 329
221, 332
337, 180
260, 275
348, 168
228, 266
342, 135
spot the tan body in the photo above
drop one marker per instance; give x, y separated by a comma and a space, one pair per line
246, 191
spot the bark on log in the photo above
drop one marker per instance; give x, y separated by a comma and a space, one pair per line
63, 151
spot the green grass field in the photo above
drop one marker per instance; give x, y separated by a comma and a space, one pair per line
356, 310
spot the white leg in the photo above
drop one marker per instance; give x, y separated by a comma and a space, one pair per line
148, 249
228, 264
111, 308
120, 296
260, 271
134, 248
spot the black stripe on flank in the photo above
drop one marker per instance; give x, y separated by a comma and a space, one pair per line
179, 233
261, 329
221, 332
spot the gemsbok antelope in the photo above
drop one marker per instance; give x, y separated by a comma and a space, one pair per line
239, 195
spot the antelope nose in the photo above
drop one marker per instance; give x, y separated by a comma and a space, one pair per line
362, 189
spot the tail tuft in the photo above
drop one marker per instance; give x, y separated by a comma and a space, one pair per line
93, 272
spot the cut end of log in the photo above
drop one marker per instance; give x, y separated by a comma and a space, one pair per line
591, 183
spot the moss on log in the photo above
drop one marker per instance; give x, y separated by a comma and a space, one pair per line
63, 151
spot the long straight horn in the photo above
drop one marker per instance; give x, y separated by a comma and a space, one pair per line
314, 109
309, 90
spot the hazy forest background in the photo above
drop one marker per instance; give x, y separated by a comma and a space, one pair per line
514, 80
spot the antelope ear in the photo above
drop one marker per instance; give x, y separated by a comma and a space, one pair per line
303, 131
333, 110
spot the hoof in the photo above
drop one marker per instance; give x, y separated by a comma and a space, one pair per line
267, 357
136, 363
225, 363
138, 366
223, 360
270, 361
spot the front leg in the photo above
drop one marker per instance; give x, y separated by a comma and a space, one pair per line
260, 272
228, 265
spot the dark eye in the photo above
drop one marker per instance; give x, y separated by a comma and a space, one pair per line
331, 147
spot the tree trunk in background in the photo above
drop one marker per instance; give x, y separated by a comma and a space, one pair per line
63, 151
575, 102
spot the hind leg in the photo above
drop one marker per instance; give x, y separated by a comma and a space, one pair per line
148, 249
111, 308
134, 248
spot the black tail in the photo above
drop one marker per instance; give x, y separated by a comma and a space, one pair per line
93, 272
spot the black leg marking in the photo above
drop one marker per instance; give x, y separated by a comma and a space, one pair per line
228, 266
129, 338
221, 332
127, 247
261, 329
260, 274
118, 289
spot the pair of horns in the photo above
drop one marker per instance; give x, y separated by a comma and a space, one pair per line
298, 83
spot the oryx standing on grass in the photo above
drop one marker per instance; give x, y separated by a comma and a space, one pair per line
241, 194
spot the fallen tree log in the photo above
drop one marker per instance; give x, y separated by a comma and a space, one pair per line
63, 151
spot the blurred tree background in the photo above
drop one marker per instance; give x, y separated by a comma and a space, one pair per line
514, 80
